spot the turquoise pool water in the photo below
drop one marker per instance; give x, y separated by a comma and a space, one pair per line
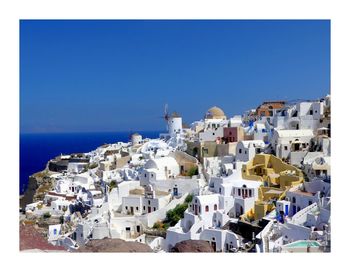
303, 244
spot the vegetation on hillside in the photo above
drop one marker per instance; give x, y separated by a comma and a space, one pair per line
173, 216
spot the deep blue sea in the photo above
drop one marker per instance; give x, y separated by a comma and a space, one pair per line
37, 149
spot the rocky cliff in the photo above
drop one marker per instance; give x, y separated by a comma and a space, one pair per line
39, 184
114, 245
192, 246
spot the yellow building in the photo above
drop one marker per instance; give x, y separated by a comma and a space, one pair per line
277, 177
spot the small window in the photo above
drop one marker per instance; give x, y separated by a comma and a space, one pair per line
285, 147
144, 208
145, 175
207, 208
239, 192
215, 207
240, 151
126, 207
137, 208
149, 202
154, 208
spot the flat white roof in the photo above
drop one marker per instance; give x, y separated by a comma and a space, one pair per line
294, 132
212, 198
259, 143
248, 183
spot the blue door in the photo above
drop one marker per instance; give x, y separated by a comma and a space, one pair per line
286, 210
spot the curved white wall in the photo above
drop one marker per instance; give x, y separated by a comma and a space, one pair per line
175, 125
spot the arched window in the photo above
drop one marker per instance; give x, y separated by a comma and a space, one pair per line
207, 208
215, 207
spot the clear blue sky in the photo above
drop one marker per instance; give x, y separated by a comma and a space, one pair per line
117, 75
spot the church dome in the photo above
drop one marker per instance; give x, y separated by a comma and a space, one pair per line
215, 113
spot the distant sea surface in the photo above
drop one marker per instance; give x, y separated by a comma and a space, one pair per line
37, 149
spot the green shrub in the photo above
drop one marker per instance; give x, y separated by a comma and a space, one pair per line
161, 226
47, 215
188, 198
174, 215
156, 225
93, 165
192, 171
112, 185
166, 225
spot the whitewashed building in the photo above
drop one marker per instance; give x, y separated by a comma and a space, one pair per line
159, 169
286, 141
246, 150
